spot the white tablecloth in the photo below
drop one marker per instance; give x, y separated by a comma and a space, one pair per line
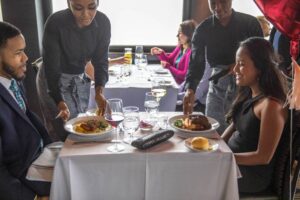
168, 171
132, 89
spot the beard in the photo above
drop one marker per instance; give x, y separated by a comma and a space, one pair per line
11, 71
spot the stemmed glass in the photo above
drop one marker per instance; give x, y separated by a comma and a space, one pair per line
131, 122
114, 115
158, 89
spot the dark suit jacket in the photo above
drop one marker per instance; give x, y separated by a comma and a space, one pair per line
20, 144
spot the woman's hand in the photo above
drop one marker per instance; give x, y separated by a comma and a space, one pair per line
100, 100
64, 111
188, 101
156, 51
164, 64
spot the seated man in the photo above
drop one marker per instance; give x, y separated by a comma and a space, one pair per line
22, 135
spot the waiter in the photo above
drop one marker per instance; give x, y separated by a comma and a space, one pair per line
217, 38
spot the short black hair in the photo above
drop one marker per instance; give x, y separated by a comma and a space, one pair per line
7, 31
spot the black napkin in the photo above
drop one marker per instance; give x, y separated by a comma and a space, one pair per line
152, 139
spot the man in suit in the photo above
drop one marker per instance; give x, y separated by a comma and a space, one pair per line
22, 135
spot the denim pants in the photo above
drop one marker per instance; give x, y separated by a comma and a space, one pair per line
219, 98
75, 90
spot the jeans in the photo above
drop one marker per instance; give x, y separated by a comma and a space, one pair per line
220, 97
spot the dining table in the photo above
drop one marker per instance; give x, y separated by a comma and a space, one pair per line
167, 171
130, 83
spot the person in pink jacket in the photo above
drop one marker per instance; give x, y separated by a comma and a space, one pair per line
178, 61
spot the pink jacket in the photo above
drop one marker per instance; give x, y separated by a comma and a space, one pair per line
180, 72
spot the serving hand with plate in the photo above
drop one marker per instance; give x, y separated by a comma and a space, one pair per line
89, 128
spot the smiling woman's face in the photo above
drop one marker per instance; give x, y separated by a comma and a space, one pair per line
84, 11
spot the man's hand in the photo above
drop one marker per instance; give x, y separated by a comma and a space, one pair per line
64, 111
100, 100
188, 101
42, 198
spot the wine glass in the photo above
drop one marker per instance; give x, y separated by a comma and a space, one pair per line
158, 88
151, 104
131, 122
114, 115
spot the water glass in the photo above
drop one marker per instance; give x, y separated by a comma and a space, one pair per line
139, 51
151, 104
143, 62
131, 122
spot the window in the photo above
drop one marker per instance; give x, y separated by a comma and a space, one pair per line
1, 19
140, 22
248, 7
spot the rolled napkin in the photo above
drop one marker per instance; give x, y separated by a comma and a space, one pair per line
152, 139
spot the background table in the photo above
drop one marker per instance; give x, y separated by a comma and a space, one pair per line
168, 171
132, 89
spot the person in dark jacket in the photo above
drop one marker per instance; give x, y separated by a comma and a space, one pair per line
22, 135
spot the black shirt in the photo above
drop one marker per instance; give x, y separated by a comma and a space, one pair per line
67, 48
219, 43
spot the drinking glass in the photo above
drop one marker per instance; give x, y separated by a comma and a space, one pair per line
114, 115
158, 88
131, 122
151, 104
139, 51
128, 55
143, 62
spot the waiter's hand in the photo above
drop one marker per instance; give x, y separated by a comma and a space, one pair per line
64, 111
100, 100
188, 101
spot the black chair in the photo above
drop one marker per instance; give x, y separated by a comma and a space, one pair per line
287, 167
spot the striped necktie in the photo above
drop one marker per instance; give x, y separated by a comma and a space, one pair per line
16, 91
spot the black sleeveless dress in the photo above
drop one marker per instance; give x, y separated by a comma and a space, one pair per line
255, 178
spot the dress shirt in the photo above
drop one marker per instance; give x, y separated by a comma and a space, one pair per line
6, 83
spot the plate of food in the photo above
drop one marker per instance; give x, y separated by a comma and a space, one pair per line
192, 125
89, 126
201, 144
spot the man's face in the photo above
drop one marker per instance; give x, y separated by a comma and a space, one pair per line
220, 8
13, 58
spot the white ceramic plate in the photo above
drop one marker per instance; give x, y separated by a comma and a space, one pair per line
161, 71
70, 128
213, 146
185, 133
166, 83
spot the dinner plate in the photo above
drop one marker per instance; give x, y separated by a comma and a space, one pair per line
213, 146
69, 126
166, 83
161, 71
185, 133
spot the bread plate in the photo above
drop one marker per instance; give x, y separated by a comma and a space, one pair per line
213, 146
186, 133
